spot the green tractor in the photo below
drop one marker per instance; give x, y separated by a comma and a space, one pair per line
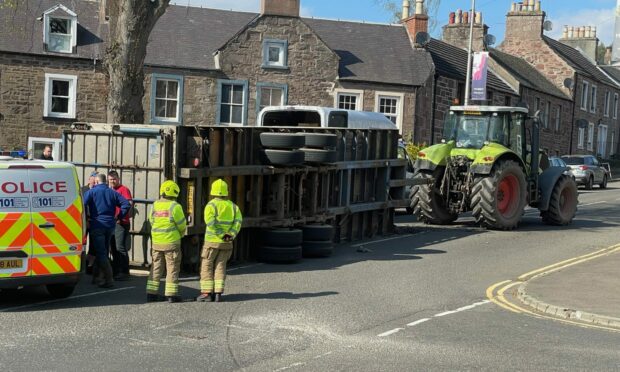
489, 163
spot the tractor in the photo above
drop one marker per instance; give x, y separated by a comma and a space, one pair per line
489, 162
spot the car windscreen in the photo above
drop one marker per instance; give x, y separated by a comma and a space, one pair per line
573, 160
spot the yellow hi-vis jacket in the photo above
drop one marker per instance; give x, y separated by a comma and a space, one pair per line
168, 222
222, 217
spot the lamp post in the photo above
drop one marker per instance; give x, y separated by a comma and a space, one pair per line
469, 61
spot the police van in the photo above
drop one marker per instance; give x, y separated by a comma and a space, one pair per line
41, 225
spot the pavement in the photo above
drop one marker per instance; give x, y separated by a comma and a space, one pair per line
585, 289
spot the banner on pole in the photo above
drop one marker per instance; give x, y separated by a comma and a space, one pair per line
479, 76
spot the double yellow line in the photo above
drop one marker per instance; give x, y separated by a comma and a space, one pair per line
496, 292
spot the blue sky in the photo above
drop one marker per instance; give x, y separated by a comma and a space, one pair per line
598, 13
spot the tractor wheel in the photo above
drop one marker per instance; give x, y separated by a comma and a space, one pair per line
498, 200
563, 203
426, 201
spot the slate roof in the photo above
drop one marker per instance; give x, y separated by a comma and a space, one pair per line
451, 61
578, 61
21, 32
526, 74
613, 71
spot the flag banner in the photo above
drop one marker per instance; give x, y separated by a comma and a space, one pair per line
479, 76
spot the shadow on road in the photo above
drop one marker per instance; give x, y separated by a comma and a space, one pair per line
242, 297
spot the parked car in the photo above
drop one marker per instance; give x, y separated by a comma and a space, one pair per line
555, 161
587, 170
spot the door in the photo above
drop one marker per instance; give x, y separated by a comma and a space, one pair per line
15, 223
56, 221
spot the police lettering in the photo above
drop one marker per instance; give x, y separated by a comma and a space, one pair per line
45, 187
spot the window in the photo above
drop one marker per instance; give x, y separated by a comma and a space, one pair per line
558, 117
593, 99
166, 98
536, 104
275, 53
60, 29
601, 146
390, 105
349, 99
59, 99
36, 145
584, 95
581, 139
591, 137
612, 149
615, 105
547, 115
268, 94
232, 102
606, 104
508, 101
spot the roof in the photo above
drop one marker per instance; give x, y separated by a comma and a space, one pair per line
578, 61
526, 74
613, 71
22, 32
451, 61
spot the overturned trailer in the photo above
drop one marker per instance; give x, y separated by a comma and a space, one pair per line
356, 192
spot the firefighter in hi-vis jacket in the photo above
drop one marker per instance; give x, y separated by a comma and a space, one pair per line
168, 226
223, 219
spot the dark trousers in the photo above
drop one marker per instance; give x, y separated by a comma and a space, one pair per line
100, 239
120, 249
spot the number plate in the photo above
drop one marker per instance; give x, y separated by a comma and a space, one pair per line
11, 264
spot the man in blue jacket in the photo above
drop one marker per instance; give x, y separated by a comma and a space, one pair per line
101, 202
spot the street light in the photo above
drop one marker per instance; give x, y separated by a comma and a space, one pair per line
471, 37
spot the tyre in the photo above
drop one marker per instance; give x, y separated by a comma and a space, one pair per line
426, 201
282, 237
60, 290
498, 200
321, 140
563, 203
318, 233
282, 140
590, 183
282, 157
280, 254
603, 185
319, 156
317, 249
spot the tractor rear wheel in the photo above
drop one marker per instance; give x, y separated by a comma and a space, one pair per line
426, 201
498, 200
563, 203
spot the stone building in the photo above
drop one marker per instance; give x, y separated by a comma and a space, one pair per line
203, 66
594, 119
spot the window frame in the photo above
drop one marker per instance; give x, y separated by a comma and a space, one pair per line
616, 98
244, 111
400, 97
590, 142
47, 97
593, 98
581, 138
585, 95
558, 117
606, 104
180, 93
359, 105
283, 45
547, 114
71, 17
261, 86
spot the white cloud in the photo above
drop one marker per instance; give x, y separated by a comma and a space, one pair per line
603, 19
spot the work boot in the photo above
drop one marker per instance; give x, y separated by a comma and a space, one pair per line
218, 297
172, 299
205, 297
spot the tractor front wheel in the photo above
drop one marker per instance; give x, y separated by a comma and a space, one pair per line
498, 200
426, 200
563, 203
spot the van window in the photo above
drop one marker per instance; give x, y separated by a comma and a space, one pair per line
291, 119
337, 119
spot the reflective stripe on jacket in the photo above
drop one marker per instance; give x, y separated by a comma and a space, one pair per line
168, 222
222, 217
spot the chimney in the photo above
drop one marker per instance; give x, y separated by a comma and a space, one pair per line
607, 58
286, 8
584, 39
524, 21
418, 22
457, 34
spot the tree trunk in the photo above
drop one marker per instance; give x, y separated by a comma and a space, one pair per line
131, 23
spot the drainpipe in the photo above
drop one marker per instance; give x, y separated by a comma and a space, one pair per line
572, 120
433, 108
469, 61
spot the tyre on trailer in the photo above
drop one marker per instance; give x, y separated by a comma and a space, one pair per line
281, 237
498, 200
282, 140
318, 233
319, 156
282, 157
321, 140
563, 203
280, 254
60, 290
317, 249
426, 201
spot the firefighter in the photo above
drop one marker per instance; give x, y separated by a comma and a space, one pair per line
168, 226
223, 219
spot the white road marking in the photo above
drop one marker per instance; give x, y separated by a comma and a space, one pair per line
299, 364
380, 241
599, 202
65, 299
244, 267
391, 332
322, 355
412, 324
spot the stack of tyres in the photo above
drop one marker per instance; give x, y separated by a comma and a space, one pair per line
320, 148
317, 240
282, 148
281, 245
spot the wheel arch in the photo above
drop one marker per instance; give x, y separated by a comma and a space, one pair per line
546, 183
486, 168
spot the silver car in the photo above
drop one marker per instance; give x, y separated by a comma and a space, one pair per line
587, 170
554, 161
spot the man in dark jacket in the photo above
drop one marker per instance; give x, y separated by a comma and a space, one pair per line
101, 202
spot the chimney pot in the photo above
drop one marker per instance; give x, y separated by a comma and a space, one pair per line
537, 6
405, 14
594, 32
478, 19
452, 18
459, 16
571, 32
465, 17
419, 7
565, 33
513, 7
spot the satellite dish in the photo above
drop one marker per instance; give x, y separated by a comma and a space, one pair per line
489, 40
548, 26
568, 83
582, 123
422, 38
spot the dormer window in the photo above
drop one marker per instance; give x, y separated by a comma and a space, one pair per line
60, 29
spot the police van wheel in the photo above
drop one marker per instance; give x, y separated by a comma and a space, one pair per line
60, 290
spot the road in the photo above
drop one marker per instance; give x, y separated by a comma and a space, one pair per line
416, 301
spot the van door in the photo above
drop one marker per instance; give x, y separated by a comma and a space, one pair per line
15, 224
56, 221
